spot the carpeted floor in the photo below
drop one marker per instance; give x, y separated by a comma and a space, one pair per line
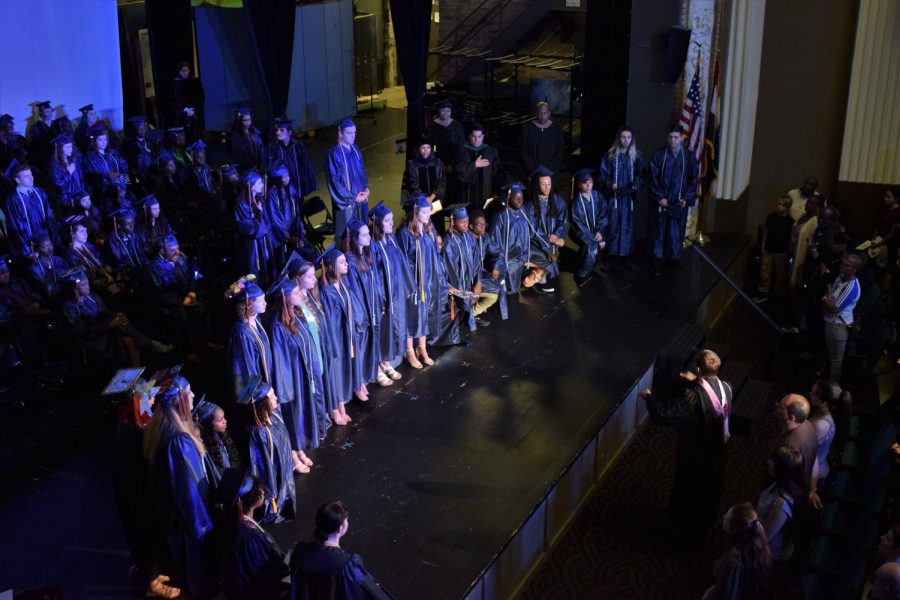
615, 547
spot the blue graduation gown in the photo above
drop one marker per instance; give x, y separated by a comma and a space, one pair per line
341, 364
511, 237
272, 462
345, 174
462, 267
542, 224
618, 169
249, 354
297, 374
485, 257
366, 286
67, 185
97, 169
126, 251
672, 176
398, 284
138, 155
40, 148
254, 566
287, 230
27, 213
181, 486
253, 252
590, 216
296, 160
424, 262
320, 571
247, 150
47, 275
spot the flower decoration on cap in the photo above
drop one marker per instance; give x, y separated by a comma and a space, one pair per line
237, 288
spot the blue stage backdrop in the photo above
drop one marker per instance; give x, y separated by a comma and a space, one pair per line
321, 82
65, 52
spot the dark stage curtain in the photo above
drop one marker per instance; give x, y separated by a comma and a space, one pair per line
412, 25
171, 41
271, 26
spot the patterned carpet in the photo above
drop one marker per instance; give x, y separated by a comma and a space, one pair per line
615, 547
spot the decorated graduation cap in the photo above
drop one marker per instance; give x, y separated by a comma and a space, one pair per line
75, 275
196, 146
244, 288
380, 211
251, 177
541, 171
86, 109
284, 123
582, 175
278, 170
155, 135
43, 105
204, 411
421, 201
254, 390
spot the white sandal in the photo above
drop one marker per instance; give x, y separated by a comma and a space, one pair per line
383, 380
391, 372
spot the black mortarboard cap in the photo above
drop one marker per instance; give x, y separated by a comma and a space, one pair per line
137, 119
120, 213
6, 118
39, 236
62, 139
234, 484
60, 121
75, 275
513, 187
155, 135
583, 174
284, 123
253, 390
278, 170
86, 108
73, 220
44, 104
98, 131
243, 111
204, 410
541, 171
198, 145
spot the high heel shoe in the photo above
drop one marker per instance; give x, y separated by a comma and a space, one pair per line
391, 372
412, 360
422, 353
383, 380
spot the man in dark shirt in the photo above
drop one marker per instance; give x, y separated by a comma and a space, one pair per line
776, 237
800, 434
541, 141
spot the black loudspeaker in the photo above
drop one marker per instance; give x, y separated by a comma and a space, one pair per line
677, 42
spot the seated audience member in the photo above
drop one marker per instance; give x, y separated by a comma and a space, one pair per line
743, 571
152, 224
889, 545
886, 238
885, 582
254, 564
776, 238
125, 248
322, 567
136, 148
82, 253
90, 215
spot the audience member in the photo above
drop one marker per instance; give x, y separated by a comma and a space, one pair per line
800, 434
799, 197
742, 573
837, 308
776, 237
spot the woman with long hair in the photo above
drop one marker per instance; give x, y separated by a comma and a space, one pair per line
246, 144
364, 280
103, 165
743, 571
253, 251
180, 481
152, 224
824, 393
341, 312
271, 458
621, 177
65, 170
297, 370
396, 280
249, 349
419, 243
220, 447
776, 502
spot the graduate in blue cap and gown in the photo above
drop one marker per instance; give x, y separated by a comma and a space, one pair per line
125, 249
40, 134
66, 175
28, 212
180, 483
82, 253
288, 233
151, 223
253, 251
673, 190
365, 281
291, 153
464, 271
220, 448
398, 285
254, 565
247, 149
548, 218
297, 370
419, 243
46, 269
176, 144
621, 177
249, 349
590, 219
201, 185
136, 148
87, 123
271, 458
348, 183
104, 166
485, 258
342, 327
511, 239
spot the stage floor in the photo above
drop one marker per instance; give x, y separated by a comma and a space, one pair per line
442, 468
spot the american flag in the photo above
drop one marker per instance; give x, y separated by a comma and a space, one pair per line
692, 115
